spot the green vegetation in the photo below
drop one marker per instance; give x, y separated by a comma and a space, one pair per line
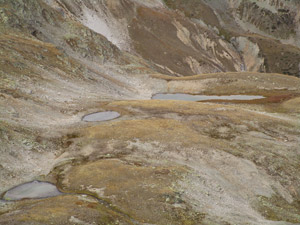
278, 209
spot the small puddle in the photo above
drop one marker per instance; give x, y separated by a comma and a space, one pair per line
187, 97
101, 116
34, 189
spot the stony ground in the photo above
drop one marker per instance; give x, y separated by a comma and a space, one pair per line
177, 162
160, 162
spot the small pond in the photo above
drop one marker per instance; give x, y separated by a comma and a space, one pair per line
187, 97
34, 189
101, 116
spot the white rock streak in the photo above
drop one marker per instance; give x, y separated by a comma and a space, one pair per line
114, 30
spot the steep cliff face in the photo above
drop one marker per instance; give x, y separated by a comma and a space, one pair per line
199, 38
173, 43
280, 18
275, 22
278, 23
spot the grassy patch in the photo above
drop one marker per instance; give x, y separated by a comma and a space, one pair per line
278, 209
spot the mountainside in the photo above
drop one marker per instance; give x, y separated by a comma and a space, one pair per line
218, 161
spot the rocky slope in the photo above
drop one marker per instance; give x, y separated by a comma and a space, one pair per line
265, 32
161, 162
